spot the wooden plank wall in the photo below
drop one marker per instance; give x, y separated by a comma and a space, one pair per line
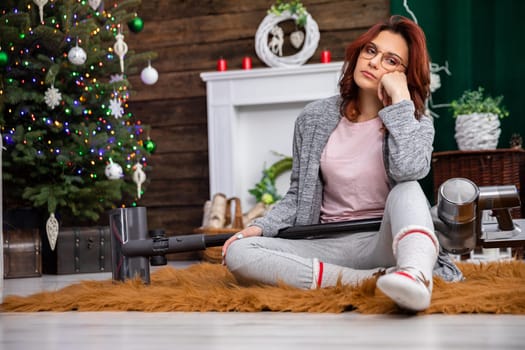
189, 37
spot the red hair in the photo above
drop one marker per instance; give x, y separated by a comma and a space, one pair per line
418, 71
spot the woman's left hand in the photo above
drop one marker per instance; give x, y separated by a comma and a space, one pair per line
393, 88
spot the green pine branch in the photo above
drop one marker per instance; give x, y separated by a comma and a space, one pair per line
55, 158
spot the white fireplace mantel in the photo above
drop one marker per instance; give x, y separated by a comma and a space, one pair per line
251, 114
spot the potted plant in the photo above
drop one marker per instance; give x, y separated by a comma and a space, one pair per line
478, 120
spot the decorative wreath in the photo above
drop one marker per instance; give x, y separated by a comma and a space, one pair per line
311, 39
265, 190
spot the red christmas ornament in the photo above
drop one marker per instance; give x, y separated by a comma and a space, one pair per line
246, 63
326, 56
221, 65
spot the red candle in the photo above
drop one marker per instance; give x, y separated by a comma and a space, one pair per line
221, 65
326, 57
246, 63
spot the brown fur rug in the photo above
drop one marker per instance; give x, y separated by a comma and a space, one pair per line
497, 287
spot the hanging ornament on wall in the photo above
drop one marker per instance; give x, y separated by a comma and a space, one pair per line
136, 25
52, 230
41, 4
150, 145
269, 37
149, 75
94, 4
276, 42
121, 48
52, 97
139, 177
4, 58
435, 79
115, 107
77, 55
113, 171
297, 39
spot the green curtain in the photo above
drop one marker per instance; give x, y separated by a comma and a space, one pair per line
483, 42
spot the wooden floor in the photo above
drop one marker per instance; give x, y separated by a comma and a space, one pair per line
266, 330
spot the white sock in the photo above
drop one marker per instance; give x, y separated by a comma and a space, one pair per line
327, 275
410, 286
416, 248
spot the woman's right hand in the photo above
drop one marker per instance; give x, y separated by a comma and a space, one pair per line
251, 231
393, 88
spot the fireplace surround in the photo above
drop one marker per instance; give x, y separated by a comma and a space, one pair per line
251, 115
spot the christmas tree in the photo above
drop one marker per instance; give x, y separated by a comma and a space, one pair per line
69, 145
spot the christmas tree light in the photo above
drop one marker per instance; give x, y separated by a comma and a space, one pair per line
63, 106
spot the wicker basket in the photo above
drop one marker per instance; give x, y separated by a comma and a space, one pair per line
484, 168
233, 225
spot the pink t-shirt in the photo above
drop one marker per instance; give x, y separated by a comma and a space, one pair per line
355, 180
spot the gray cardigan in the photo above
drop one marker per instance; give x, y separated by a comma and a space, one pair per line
407, 152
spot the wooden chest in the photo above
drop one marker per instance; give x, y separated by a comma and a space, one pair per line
79, 250
22, 253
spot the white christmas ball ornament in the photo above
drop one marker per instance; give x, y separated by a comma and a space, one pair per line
77, 55
149, 75
113, 171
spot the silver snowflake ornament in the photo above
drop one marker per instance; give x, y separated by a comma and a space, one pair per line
116, 107
52, 97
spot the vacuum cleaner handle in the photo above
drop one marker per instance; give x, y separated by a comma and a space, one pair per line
308, 231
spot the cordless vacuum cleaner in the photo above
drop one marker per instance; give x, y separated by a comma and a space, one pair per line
458, 215
457, 219
134, 247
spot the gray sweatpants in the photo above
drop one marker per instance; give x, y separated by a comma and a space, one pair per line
271, 260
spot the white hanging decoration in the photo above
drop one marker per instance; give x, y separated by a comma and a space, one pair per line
277, 40
149, 75
115, 106
435, 84
77, 55
41, 4
297, 38
115, 78
113, 171
269, 54
94, 4
435, 79
52, 97
139, 177
52, 230
121, 48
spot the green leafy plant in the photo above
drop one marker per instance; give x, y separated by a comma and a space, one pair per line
295, 7
265, 190
474, 101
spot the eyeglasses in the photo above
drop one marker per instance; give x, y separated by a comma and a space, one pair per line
389, 61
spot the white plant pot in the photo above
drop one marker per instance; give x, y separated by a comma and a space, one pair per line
477, 131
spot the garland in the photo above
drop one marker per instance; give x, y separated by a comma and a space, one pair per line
265, 190
295, 7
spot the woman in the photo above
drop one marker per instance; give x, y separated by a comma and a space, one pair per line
358, 155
